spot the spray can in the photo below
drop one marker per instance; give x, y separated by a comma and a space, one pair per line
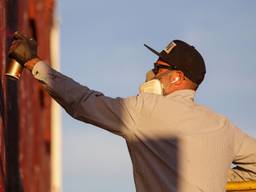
14, 69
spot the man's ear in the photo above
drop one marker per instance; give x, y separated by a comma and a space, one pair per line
177, 77
175, 80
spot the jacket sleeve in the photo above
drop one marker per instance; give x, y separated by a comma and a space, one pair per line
244, 158
116, 115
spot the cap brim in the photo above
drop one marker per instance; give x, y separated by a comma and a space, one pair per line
161, 56
154, 51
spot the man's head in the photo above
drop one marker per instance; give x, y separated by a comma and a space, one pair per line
179, 66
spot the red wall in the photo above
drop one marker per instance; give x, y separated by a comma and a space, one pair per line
24, 105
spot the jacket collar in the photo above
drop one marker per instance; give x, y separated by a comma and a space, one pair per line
184, 93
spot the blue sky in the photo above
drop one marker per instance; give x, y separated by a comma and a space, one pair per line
102, 47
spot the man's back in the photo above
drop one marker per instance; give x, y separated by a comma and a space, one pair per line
177, 145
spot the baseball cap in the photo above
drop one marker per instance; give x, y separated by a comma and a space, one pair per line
183, 57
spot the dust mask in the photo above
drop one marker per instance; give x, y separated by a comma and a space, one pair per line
151, 85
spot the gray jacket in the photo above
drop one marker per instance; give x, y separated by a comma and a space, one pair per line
174, 143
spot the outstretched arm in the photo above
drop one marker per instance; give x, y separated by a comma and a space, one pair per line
113, 114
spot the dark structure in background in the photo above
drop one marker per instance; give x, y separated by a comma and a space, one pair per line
25, 109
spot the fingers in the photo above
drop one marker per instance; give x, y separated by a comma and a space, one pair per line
15, 44
19, 38
22, 48
18, 35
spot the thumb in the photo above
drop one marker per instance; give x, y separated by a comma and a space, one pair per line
32, 42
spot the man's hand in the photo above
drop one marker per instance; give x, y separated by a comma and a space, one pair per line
23, 49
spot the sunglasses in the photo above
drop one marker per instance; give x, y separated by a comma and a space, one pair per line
158, 66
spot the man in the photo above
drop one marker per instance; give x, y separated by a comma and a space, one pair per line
174, 143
